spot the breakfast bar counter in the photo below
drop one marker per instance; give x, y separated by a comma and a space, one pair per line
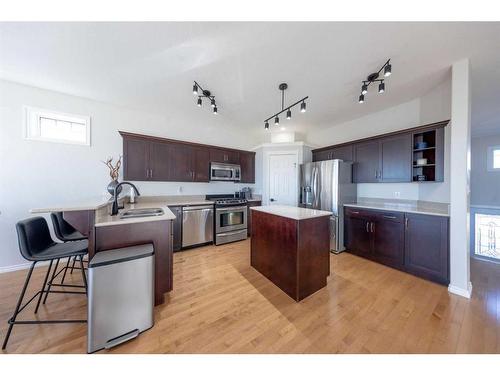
291, 247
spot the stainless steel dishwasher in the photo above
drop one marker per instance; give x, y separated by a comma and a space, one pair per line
197, 225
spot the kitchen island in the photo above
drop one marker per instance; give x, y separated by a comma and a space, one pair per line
291, 247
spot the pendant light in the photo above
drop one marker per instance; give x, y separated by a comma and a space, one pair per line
361, 99
282, 87
381, 87
374, 77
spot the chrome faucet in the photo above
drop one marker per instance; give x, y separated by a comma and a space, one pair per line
114, 207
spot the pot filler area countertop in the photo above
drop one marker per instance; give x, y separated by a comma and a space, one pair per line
410, 206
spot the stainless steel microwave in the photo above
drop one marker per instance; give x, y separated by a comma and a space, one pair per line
225, 172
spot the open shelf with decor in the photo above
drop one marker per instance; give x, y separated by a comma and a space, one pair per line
428, 155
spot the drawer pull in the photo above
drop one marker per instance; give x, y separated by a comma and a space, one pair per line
389, 217
354, 212
367, 230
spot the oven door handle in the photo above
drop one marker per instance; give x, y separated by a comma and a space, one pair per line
238, 208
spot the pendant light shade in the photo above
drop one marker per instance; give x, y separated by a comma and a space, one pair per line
266, 126
361, 98
288, 114
195, 90
215, 110
381, 88
276, 120
364, 89
387, 70
303, 107
199, 102
212, 103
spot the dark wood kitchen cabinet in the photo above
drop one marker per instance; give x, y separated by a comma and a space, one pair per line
343, 152
427, 248
249, 215
396, 158
367, 162
375, 235
247, 163
147, 158
136, 156
414, 243
357, 235
392, 157
221, 155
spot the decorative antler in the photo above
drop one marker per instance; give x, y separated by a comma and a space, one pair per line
114, 170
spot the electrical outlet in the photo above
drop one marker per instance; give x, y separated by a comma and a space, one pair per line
179, 190
397, 194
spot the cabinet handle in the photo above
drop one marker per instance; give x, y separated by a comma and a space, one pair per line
354, 212
367, 230
372, 227
389, 217
406, 223
151, 173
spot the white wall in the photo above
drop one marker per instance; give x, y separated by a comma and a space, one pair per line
485, 185
38, 174
432, 107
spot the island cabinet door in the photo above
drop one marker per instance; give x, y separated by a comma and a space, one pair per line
357, 236
387, 229
426, 247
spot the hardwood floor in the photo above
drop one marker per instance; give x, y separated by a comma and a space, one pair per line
221, 305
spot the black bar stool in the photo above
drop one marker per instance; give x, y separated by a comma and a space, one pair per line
65, 232
36, 245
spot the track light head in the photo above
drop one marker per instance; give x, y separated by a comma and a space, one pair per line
212, 102
276, 120
199, 102
303, 107
266, 126
381, 87
361, 99
364, 89
288, 114
215, 110
195, 89
387, 70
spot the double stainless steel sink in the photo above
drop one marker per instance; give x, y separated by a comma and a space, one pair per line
141, 212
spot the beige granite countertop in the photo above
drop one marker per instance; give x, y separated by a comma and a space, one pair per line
103, 218
400, 205
93, 203
296, 213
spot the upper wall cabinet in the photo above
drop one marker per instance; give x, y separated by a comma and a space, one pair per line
148, 158
415, 154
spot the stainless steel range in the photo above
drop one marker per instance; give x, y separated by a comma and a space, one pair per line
230, 218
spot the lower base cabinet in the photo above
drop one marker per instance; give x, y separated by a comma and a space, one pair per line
249, 215
415, 243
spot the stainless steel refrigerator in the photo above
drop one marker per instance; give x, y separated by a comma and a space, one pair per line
327, 185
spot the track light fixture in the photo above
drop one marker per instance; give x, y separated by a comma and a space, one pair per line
282, 87
205, 94
374, 77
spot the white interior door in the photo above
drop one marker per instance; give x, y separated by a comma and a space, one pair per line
283, 179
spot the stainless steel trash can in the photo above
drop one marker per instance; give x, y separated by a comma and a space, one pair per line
121, 295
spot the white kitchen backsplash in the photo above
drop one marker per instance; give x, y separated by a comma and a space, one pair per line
389, 190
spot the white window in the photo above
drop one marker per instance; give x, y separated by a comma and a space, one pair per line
494, 158
50, 126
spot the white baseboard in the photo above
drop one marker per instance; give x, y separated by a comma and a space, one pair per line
460, 291
17, 267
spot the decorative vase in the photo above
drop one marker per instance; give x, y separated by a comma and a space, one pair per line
111, 188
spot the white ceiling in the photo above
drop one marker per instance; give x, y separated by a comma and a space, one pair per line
151, 66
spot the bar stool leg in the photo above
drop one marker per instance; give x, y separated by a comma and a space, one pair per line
19, 302
43, 286
73, 265
65, 270
83, 274
50, 282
